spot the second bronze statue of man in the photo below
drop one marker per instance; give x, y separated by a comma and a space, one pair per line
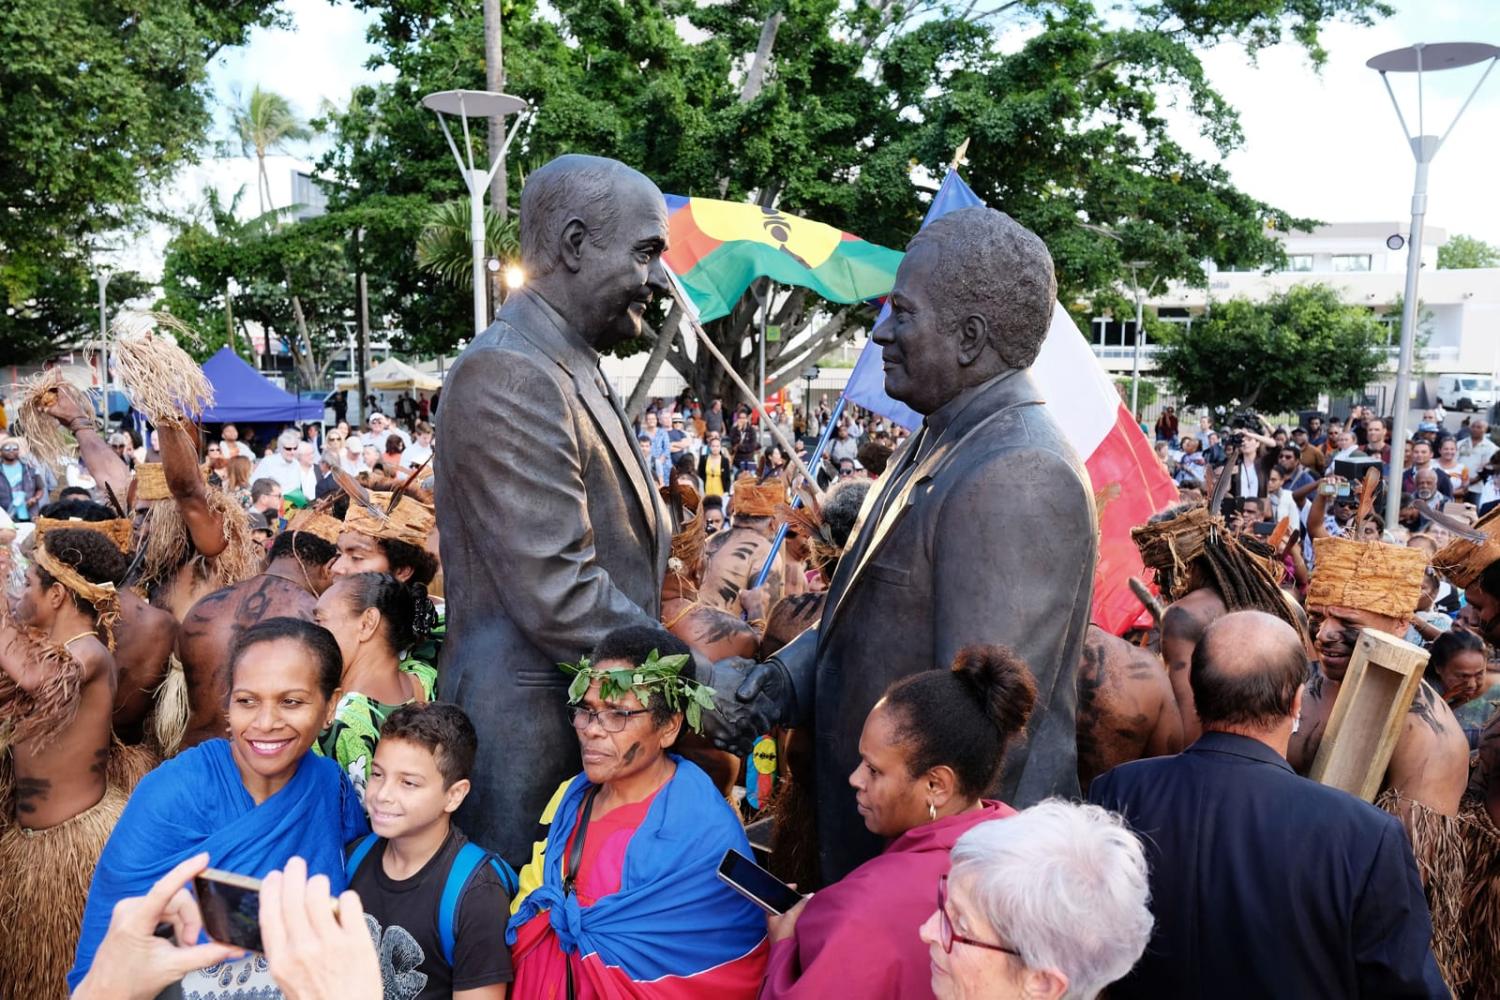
982, 530
551, 533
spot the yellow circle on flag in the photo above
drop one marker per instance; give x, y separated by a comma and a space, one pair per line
764, 755
810, 242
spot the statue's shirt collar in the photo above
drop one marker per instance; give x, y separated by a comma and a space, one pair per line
576, 352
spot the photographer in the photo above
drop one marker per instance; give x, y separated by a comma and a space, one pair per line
315, 952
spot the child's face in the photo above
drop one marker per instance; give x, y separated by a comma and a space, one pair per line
405, 792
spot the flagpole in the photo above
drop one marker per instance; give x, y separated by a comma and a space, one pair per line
690, 313
817, 457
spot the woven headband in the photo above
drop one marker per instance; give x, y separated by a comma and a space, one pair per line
103, 596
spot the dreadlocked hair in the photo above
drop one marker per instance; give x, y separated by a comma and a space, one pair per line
1243, 580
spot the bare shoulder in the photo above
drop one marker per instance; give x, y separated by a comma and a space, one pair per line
1430, 721
1189, 615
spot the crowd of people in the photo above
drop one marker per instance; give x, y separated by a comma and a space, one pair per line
213, 655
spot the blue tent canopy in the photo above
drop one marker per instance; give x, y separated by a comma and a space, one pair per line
244, 395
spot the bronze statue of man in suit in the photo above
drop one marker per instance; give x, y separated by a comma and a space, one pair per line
981, 530
551, 533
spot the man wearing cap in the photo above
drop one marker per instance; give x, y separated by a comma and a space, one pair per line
1364, 584
21, 487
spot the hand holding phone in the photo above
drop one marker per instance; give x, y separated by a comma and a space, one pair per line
756, 884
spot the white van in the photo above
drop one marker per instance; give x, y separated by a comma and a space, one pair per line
1466, 392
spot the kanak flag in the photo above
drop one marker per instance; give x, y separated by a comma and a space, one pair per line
1126, 475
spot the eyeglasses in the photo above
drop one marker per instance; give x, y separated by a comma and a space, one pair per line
945, 926
611, 720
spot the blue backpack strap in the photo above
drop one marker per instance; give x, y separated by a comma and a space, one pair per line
465, 864
358, 855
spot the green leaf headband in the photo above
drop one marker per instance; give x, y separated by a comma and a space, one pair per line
682, 694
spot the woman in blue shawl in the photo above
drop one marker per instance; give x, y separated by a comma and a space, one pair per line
252, 801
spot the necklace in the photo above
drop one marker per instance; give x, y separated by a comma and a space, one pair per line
90, 633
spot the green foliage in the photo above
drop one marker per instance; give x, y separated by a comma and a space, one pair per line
443, 246
264, 123
1146, 392
102, 100
661, 674
1068, 126
1276, 356
1467, 252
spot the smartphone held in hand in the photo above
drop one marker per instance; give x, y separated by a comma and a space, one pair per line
756, 884
230, 905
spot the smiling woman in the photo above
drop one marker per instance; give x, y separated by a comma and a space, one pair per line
252, 801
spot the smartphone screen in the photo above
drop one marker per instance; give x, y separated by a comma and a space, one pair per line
756, 884
230, 905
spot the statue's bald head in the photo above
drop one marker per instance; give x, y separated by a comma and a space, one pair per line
572, 186
1246, 671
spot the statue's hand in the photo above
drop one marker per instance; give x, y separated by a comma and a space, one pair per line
749, 699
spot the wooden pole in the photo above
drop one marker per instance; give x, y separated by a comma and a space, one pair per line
690, 311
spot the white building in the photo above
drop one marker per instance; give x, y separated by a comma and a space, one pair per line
1460, 309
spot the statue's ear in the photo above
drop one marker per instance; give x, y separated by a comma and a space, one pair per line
570, 248
973, 336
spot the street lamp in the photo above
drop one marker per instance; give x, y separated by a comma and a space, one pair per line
466, 104
1140, 329
103, 278
1419, 59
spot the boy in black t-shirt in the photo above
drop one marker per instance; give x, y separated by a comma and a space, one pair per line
441, 902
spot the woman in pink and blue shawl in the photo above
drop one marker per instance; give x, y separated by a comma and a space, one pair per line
930, 749
252, 801
623, 900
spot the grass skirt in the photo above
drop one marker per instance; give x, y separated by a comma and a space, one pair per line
44, 884
1438, 843
1481, 901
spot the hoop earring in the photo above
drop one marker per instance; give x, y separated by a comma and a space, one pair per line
931, 812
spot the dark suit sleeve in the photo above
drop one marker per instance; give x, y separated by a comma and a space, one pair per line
523, 495
1013, 555
1392, 929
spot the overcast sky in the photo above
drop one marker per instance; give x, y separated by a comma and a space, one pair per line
1324, 145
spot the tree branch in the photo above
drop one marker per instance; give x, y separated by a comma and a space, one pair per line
664, 341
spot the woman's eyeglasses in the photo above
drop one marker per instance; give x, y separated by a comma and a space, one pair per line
945, 926
611, 720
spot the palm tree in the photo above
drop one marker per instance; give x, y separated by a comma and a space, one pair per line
443, 246
264, 123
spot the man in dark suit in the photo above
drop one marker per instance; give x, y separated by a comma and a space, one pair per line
1263, 883
551, 535
981, 529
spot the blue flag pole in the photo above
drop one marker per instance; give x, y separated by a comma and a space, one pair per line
817, 456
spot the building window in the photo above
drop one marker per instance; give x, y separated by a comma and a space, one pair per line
1302, 262
1351, 262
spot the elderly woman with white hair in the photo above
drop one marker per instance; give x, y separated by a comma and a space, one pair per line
1050, 904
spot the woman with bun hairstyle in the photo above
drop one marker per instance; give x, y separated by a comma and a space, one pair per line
931, 748
376, 619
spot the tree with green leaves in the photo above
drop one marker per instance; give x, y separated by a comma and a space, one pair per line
1462, 252
264, 123
1276, 356
1067, 125
102, 101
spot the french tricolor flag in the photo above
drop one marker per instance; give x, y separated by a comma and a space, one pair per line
1125, 472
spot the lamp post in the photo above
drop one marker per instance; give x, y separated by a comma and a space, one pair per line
466, 104
1140, 329
1420, 58
103, 278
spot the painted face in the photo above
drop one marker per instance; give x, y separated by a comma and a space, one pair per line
34, 609
1463, 677
889, 799
919, 356
637, 747
405, 792
625, 274
359, 553
967, 971
275, 710
1336, 632
1481, 613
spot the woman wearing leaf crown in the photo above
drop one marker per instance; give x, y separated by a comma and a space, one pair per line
622, 899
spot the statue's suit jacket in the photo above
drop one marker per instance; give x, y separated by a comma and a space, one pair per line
551, 536
981, 530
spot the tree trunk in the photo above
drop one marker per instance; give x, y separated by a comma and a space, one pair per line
834, 331
755, 76
664, 340
262, 185
494, 78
